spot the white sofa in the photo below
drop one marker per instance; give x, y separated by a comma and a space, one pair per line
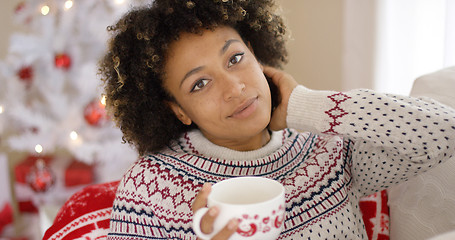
424, 207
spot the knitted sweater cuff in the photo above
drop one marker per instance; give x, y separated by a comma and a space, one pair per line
306, 110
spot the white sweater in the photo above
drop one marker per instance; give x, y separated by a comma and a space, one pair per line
348, 145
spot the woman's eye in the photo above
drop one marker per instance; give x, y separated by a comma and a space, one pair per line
199, 85
235, 59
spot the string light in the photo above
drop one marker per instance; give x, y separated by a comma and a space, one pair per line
45, 10
103, 100
1, 109
38, 148
119, 1
68, 4
73, 135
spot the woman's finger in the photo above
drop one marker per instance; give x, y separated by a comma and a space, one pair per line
208, 219
201, 198
200, 202
285, 84
227, 231
276, 75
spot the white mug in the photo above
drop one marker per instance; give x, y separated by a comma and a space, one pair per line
258, 204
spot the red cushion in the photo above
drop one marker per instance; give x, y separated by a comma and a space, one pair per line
375, 213
86, 214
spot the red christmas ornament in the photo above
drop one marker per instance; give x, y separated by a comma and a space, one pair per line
62, 61
25, 74
95, 113
40, 178
19, 7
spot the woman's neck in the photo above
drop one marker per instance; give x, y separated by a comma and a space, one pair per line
243, 144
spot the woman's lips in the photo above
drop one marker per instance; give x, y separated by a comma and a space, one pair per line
245, 109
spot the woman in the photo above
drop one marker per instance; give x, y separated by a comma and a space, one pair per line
186, 83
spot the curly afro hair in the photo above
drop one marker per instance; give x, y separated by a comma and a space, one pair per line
132, 69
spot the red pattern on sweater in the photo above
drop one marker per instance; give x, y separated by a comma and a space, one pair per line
336, 112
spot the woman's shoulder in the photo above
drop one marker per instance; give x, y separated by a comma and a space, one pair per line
141, 164
153, 192
140, 173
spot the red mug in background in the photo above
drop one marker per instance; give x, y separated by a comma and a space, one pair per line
258, 203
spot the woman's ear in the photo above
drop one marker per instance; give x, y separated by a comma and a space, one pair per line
179, 113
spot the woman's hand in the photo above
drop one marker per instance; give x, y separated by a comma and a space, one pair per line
285, 84
208, 219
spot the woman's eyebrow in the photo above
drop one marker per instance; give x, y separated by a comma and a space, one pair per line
227, 44
192, 71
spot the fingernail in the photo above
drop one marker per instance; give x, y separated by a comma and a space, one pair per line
213, 211
206, 186
232, 225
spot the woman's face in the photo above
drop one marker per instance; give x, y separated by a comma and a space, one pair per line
219, 85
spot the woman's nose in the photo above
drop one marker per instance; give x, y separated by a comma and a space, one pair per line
232, 88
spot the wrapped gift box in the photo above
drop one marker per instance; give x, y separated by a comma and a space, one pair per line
78, 173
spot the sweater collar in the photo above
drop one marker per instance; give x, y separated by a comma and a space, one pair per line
208, 149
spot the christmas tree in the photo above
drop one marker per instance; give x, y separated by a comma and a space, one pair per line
51, 103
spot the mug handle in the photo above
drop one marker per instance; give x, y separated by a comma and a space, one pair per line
197, 224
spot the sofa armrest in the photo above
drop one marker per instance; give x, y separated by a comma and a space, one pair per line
424, 206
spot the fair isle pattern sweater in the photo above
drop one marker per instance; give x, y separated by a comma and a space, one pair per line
347, 145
